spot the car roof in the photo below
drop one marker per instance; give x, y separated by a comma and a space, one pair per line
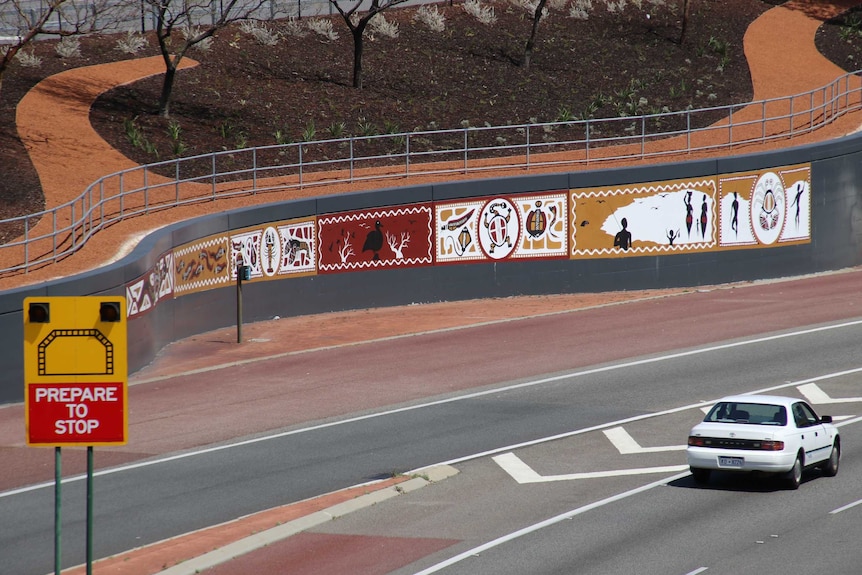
767, 399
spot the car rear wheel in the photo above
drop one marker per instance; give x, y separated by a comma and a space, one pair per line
701, 476
794, 477
830, 468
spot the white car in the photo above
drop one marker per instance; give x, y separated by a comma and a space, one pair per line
765, 433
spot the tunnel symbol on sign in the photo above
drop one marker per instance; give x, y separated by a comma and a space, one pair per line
76, 352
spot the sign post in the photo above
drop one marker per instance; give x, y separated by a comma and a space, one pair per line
76, 383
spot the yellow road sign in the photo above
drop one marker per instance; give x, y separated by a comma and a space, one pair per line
76, 370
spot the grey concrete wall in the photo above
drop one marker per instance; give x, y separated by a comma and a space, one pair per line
836, 242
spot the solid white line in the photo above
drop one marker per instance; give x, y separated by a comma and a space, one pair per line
494, 391
547, 523
846, 507
696, 571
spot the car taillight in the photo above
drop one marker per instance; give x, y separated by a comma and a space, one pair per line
695, 441
772, 445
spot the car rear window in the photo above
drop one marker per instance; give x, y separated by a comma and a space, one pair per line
753, 413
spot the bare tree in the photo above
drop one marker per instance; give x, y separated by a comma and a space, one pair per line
357, 25
534, 30
182, 24
25, 21
685, 6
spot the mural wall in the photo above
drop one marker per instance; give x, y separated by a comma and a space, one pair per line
760, 209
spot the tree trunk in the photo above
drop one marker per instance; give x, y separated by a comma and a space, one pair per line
531, 41
685, 7
167, 88
357, 55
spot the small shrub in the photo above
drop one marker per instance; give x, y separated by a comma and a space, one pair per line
281, 137
132, 43
309, 132
366, 128
190, 32
431, 17
337, 129
68, 47
323, 27
262, 35
28, 59
379, 25
294, 28
484, 14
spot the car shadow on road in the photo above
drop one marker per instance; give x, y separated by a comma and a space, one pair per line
743, 482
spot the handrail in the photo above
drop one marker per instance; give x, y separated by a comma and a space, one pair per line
53, 234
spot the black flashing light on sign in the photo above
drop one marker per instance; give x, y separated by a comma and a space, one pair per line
109, 311
39, 313
244, 272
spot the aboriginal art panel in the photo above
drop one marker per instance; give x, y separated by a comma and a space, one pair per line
375, 239
145, 292
201, 265
276, 250
499, 228
731, 211
766, 208
641, 219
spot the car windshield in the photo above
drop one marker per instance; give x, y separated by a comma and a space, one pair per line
752, 413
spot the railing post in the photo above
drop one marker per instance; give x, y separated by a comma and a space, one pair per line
791, 117
688, 131
730, 127
177, 182
643, 137
300, 165
527, 166
465, 150
122, 194
72, 223
763, 121
54, 233
352, 159
26, 245
146, 191
587, 142
407, 155
213, 177
254, 170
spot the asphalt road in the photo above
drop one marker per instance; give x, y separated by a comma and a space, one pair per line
623, 383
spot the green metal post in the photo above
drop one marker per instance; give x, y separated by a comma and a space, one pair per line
58, 476
90, 510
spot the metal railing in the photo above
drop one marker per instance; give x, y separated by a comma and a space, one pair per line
47, 236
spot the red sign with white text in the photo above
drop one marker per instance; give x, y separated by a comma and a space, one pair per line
76, 414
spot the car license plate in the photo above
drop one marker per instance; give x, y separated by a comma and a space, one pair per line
730, 461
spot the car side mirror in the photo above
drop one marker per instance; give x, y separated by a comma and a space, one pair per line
825, 419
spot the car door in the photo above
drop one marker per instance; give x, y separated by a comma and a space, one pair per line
813, 437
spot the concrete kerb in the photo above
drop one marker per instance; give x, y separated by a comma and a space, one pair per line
280, 532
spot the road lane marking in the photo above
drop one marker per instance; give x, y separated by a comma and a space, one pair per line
814, 394
547, 523
846, 507
523, 473
626, 444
